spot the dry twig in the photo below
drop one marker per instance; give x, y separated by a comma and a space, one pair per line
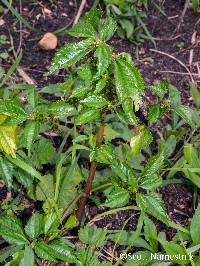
80, 10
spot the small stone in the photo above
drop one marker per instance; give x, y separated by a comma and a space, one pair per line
48, 42
2, 22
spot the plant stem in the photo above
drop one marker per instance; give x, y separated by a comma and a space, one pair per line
88, 185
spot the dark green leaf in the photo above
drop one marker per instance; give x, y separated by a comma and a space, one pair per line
127, 105
11, 229
44, 251
70, 54
87, 25
151, 182
154, 113
95, 101
14, 110
150, 233
108, 29
153, 205
30, 133
6, 171
129, 82
87, 116
102, 154
153, 165
58, 108
186, 113
104, 56
195, 94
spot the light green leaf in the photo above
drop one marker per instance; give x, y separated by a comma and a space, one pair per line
186, 113
45, 188
194, 227
11, 230
28, 257
128, 81
87, 116
80, 92
191, 155
102, 154
8, 139
109, 133
87, 25
108, 29
152, 204
104, 57
150, 233
93, 236
160, 88
44, 251
95, 101
127, 106
70, 54
118, 197
101, 84
34, 227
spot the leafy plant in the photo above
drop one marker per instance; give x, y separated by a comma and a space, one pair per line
91, 136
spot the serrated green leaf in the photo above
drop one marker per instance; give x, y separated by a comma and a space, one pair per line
194, 227
150, 233
95, 101
11, 230
45, 188
80, 92
108, 29
63, 252
87, 116
129, 82
152, 204
44, 251
104, 57
101, 84
92, 236
14, 110
51, 223
30, 133
153, 165
87, 25
34, 227
8, 139
6, 171
28, 257
154, 113
127, 106
102, 154
70, 54
173, 249
118, 197
151, 182
58, 108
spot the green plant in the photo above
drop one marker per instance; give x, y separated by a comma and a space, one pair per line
105, 143
195, 5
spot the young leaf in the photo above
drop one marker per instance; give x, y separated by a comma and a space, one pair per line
87, 25
160, 88
34, 227
70, 54
28, 257
87, 116
104, 57
194, 227
118, 197
128, 81
154, 113
186, 113
127, 106
95, 101
152, 204
11, 230
58, 108
93, 236
108, 29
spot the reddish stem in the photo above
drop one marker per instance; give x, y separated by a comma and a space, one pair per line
88, 185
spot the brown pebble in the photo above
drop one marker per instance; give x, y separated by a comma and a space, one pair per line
48, 42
